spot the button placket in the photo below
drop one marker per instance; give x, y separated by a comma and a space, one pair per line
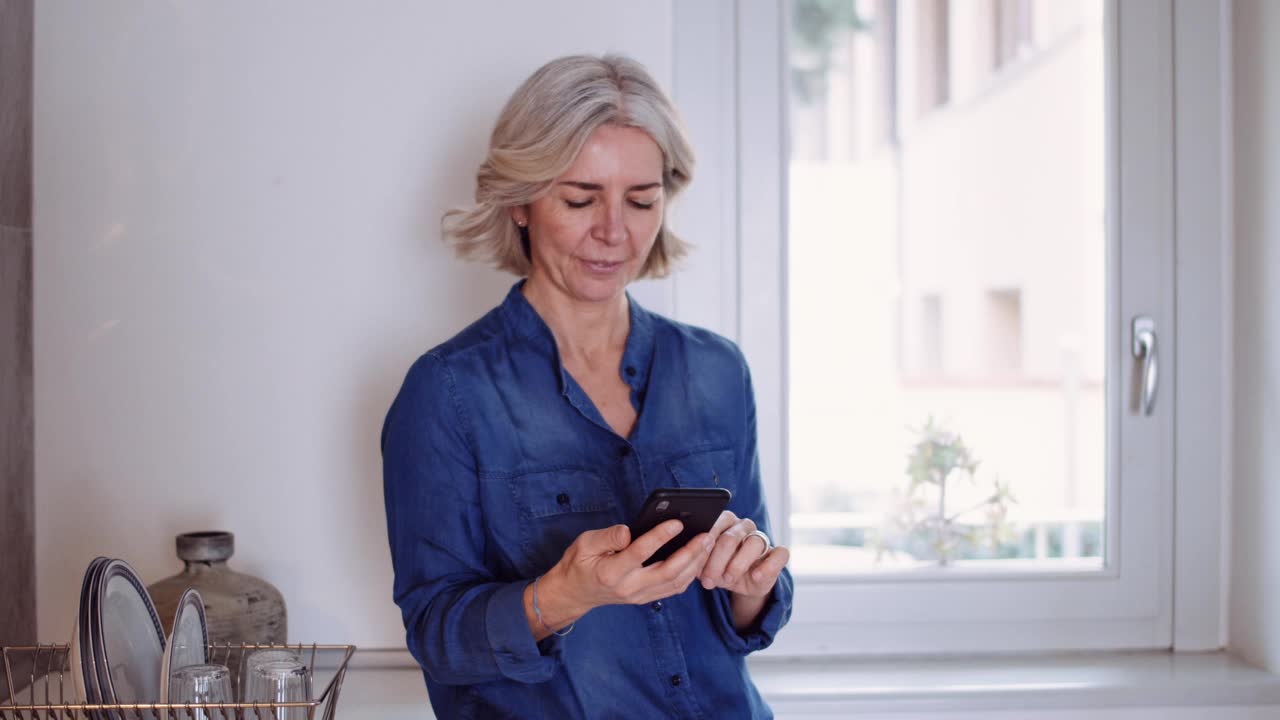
669, 654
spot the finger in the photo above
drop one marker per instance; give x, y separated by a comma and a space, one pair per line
647, 544
713, 573
610, 539
726, 520
747, 555
769, 567
694, 551
673, 575
691, 571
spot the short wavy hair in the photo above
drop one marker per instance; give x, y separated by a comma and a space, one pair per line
538, 136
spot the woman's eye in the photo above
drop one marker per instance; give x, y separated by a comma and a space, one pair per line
638, 204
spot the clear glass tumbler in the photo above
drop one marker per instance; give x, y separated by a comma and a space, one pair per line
253, 658
201, 684
279, 681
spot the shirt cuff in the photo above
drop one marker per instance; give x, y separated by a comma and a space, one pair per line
516, 654
776, 612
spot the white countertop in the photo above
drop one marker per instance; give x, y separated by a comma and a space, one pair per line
381, 685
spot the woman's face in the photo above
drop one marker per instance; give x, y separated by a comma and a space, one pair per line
592, 232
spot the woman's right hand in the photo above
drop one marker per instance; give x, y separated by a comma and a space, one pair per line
604, 567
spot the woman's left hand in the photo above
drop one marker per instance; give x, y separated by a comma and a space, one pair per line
742, 562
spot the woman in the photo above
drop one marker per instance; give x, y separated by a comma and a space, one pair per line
515, 452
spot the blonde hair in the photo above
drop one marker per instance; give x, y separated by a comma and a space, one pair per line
539, 134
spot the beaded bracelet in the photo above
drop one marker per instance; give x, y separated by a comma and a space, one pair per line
538, 612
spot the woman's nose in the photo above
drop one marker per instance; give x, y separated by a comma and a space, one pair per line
610, 227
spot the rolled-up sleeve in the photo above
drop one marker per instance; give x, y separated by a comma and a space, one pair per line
462, 624
748, 501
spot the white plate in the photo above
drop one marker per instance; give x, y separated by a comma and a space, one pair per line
189, 643
83, 671
129, 638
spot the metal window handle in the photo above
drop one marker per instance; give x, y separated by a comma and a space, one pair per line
1144, 349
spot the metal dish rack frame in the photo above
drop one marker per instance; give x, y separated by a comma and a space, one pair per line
49, 691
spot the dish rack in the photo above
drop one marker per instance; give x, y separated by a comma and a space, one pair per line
37, 685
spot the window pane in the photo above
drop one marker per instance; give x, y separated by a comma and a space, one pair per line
947, 249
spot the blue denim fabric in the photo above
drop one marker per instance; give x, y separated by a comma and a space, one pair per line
494, 460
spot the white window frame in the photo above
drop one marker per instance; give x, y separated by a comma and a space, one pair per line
1163, 583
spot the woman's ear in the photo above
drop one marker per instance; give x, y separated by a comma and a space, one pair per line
520, 215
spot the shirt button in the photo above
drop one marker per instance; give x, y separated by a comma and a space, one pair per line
563, 499
676, 680
631, 372
656, 605
625, 451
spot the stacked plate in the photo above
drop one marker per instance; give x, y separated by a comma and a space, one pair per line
118, 651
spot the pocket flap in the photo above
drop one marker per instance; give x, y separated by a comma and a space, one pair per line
546, 494
704, 468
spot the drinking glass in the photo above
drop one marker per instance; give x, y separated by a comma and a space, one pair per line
279, 681
204, 684
253, 658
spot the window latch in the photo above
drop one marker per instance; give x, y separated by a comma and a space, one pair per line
1144, 355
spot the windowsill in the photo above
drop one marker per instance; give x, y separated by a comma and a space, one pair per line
1071, 681
385, 684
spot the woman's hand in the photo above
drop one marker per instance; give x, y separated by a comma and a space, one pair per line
741, 562
604, 567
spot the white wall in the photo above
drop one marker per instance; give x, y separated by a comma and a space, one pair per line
237, 259
1255, 577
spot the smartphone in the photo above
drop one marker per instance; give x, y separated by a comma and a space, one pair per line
697, 508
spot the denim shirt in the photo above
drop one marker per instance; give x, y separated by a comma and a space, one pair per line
495, 459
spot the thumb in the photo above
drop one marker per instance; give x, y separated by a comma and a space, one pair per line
617, 538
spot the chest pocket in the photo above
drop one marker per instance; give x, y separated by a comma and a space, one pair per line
555, 508
704, 468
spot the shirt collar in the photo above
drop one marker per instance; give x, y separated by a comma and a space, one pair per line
524, 322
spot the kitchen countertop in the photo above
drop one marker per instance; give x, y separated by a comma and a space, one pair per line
383, 685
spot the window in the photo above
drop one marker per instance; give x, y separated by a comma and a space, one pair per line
983, 476
843, 59
964, 287
929, 353
933, 51
1002, 339
988, 448
1011, 30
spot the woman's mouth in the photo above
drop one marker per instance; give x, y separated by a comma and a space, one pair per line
601, 267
